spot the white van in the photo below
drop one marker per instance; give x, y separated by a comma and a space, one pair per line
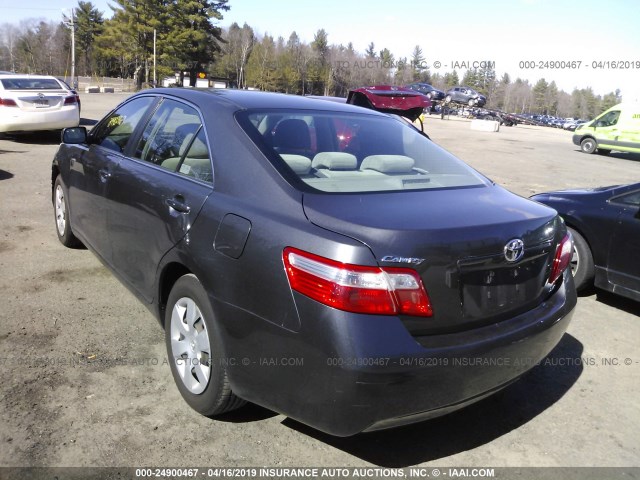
615, 129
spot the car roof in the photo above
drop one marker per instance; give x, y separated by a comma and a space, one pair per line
253, 99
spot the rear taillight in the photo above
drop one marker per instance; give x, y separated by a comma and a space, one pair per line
7, 102
562, 258
70, 100
356, 288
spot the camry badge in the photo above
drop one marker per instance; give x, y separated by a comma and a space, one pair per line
514, 250
396, 259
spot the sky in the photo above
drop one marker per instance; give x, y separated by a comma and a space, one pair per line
574, 42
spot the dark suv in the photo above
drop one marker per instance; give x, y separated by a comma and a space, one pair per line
426, 89
465, 95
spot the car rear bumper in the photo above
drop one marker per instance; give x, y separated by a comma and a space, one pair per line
22, 121
363, 372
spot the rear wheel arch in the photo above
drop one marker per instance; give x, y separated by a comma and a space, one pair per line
170, 274
195, 348
582, 260
578, 228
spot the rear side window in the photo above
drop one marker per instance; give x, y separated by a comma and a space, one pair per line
347, 152
30, 84
115, 130
174, 139
196, 162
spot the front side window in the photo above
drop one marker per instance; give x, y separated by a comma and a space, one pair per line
609, 120
347, 152
632, 199
115, 130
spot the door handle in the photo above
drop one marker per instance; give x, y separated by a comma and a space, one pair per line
178, 204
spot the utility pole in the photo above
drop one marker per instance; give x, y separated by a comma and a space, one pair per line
154, 59
72, 24
73, 50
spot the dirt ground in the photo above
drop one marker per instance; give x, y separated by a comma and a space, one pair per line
83, 380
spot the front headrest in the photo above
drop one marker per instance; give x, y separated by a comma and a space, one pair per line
292, 133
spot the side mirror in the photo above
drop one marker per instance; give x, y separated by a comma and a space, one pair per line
74, 135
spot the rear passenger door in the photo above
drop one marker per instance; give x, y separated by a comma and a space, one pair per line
157, 191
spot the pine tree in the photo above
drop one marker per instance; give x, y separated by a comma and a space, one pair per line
89, 25
191, 39
370, 52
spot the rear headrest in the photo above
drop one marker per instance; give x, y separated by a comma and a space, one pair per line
388, 163
335, 161
299, 164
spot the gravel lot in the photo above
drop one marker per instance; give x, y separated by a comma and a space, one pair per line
81, 361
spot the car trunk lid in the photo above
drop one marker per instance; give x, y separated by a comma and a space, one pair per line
32, 101
456, 240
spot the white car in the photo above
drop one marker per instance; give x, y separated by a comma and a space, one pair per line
30, 103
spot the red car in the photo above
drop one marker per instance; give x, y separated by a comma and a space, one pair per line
390, 99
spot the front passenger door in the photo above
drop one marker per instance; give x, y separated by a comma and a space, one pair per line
91, 172
606, 130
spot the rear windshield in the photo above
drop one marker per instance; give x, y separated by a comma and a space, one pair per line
346, 152
30, 84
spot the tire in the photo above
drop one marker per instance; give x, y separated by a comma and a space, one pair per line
588, 145
581, 262
61, 215
447, 99
195, 350
604, 151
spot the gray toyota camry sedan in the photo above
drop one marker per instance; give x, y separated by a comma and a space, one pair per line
327, 262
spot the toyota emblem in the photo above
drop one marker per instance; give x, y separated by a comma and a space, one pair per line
514, 250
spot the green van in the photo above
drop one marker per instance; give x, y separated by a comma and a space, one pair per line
615, 129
